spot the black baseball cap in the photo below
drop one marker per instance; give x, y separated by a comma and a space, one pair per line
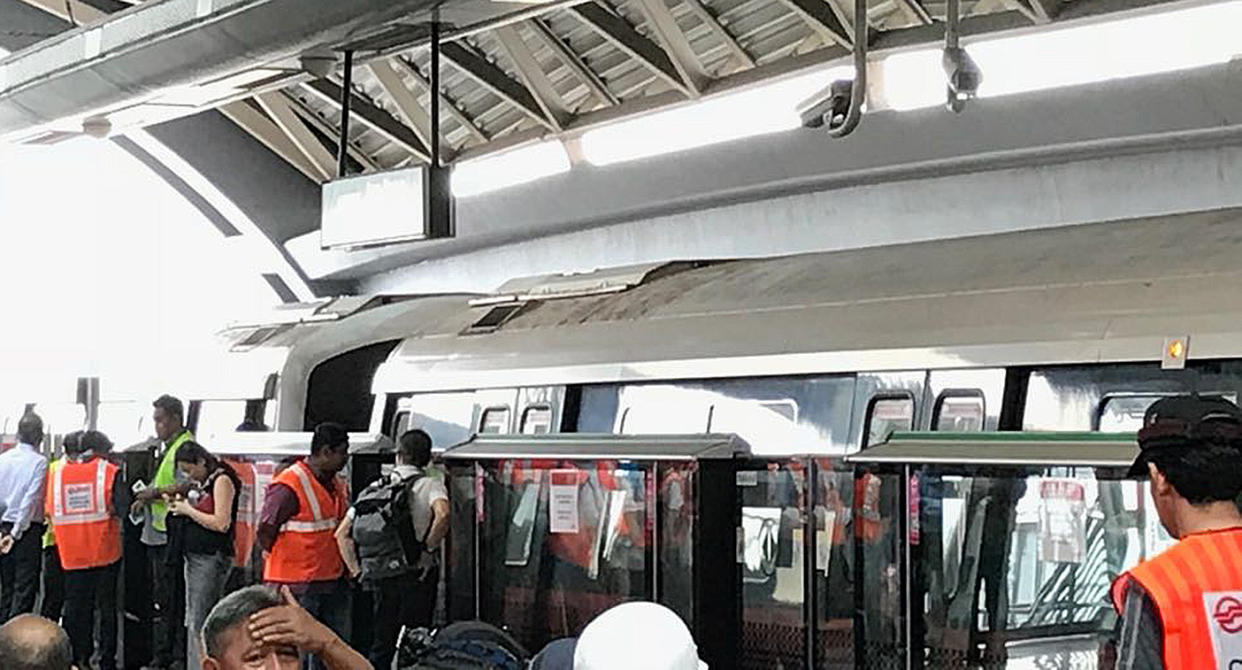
1184, 423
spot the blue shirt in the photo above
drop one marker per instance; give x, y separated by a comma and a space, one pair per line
23, 474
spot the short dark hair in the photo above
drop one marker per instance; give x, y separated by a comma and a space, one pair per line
170, 405
233, 609
30, 429
74, 442
1206, 473
414, 447
30, 642
329, 435
96, 441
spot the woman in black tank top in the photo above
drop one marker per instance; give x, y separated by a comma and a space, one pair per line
211, 509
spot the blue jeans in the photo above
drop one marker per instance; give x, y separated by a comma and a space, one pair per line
332, 609
204, 581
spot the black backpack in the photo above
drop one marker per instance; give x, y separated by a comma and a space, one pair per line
383, 529
465, 645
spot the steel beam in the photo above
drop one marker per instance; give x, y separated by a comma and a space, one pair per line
677, 45
725, 36
917, 11
311, 117
372, 117
406, 101
282, 114
822, 18
574, 62
271, 136
446, 104
1045, 11
536, 80
622, 35
495, 80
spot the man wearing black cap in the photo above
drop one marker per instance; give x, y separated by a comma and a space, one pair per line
1183, 608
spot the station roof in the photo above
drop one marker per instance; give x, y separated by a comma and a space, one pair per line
556, 69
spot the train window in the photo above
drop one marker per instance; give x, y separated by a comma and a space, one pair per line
1124, 412
400, 421
960, 411
888, 413
537, 420
494, 420
216, 417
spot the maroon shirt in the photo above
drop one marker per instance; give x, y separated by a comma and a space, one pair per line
280, 505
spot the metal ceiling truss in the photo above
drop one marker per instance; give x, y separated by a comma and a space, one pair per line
559, 69
625, 37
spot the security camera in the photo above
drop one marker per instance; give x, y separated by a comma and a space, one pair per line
963, 76
828, 107
97, 127
318, 65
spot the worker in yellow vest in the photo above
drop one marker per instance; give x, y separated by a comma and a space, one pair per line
164, 560
86, 499
53, 577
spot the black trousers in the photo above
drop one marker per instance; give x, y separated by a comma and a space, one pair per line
88, 591
168, 598
408, 600
53, 585
19, 574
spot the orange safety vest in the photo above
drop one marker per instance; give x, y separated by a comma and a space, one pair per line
305, 550
1196, 586
79, 501
244, 524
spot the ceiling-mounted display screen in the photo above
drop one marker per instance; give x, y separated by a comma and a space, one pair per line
386, 207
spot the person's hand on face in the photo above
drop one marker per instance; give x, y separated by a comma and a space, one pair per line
290, 624
241, 652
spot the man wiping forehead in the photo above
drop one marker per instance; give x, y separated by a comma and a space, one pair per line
259, 628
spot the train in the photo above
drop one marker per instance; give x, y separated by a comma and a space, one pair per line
812, 356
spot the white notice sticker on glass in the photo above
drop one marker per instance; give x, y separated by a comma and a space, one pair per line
563, 510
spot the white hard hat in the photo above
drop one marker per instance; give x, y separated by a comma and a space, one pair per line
637, 636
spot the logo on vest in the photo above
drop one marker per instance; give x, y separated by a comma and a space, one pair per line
1228, 614
1223, 610
79, 498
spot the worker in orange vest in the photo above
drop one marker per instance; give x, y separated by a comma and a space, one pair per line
86, 499
1183, 609
304, 505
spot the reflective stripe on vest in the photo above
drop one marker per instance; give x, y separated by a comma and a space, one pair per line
1196, 586
88, 534
306, 549
49, 536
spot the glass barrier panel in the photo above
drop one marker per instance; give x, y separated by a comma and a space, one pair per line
558, 542
1013, 566
771, 554
879, 545
834, 564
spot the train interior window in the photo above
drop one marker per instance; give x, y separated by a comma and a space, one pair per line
959, 412
494, 421
1123, 413
536, 420
887, 415
217, 417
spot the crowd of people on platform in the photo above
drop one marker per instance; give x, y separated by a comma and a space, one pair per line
61, 536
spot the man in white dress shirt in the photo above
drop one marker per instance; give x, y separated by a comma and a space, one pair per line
23, 472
